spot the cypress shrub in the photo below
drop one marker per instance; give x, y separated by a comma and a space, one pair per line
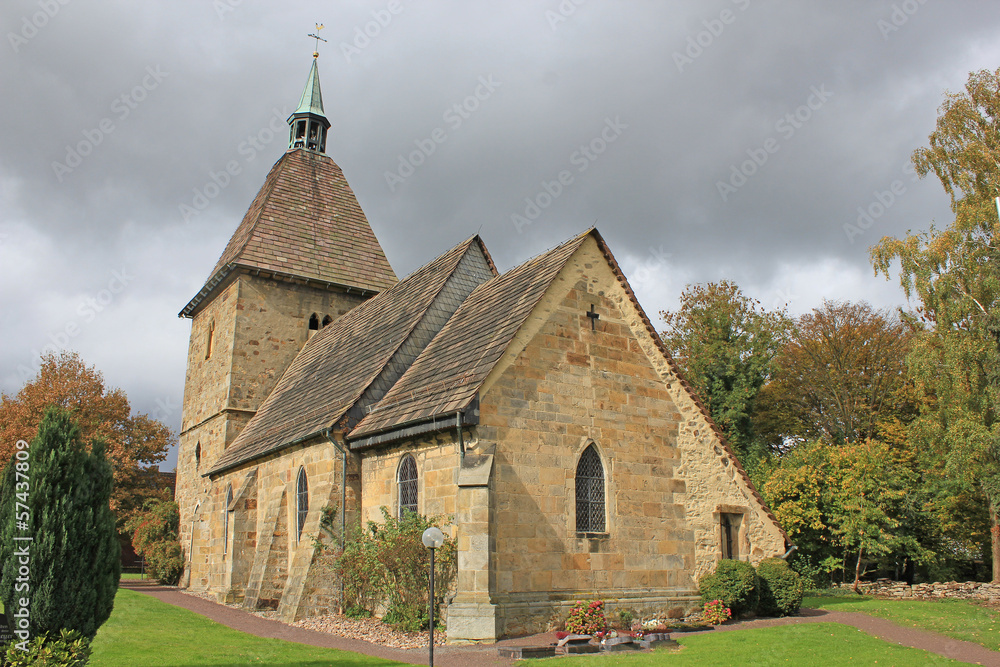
735, 583
74, 555
781, 588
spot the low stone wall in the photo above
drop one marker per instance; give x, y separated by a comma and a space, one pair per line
968, 590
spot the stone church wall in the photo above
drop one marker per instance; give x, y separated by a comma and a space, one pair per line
271, 327
569, 387
563, 385
437, 459
205, 430
257, 327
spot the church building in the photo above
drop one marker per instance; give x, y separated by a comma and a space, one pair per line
537, 408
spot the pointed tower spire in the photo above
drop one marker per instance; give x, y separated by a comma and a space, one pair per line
309, 122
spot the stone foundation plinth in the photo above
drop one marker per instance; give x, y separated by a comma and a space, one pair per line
472, 622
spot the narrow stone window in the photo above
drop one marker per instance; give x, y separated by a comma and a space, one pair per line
314, 323
407, 485
197, 456
302, 501
225, 520
730, 531
590, 492
210, 339
327, 320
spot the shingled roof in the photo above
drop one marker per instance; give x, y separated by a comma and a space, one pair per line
355, 359
447, 375
305, 222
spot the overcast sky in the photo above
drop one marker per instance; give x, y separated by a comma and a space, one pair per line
730, 139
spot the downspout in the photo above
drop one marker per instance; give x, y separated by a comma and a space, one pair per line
343, 487
791, 550
461, 441
343, 502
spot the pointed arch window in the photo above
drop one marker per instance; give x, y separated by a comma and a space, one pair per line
210, 339
225, 520
327, 320
590, 492
313, 322
407, 485
301, 501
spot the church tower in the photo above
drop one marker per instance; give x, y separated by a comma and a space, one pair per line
303, 255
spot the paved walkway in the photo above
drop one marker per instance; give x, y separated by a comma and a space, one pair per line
486, 655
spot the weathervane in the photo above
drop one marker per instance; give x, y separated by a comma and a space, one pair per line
319, 26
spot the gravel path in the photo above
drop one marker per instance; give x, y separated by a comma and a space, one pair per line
486, 655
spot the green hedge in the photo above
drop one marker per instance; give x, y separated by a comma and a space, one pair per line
735, 583
781, 588
772, 589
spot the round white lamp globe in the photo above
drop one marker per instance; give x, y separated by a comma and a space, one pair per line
432, 537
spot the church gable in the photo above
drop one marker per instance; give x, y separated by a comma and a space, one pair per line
575, 406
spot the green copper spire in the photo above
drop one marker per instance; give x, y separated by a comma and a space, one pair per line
309, 123
312, 97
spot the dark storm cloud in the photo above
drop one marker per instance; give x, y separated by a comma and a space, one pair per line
733, 139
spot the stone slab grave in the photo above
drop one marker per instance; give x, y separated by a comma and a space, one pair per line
613, 644
656, 640
573, 644
525, 652
576, 644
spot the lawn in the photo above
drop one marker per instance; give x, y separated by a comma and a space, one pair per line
807, 644
955, 618
143, 630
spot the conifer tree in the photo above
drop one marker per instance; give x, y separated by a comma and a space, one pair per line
74, 555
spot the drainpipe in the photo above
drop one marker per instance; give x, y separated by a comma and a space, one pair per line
343, 488
790, 551
194, 519
461, 441
343, 502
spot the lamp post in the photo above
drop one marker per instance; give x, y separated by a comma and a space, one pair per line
432, 539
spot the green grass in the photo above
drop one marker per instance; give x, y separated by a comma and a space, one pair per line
130, 575
807, 644
144, 631
955, 618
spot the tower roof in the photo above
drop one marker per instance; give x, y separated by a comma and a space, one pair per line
312, 97
304, 223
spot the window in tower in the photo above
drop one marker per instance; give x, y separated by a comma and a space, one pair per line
210, 339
